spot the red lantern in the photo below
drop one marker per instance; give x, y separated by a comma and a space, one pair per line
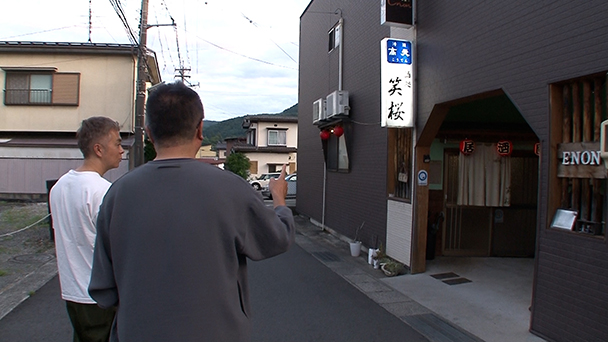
324, 134
504, 148
467, 146
537, 149
338, 131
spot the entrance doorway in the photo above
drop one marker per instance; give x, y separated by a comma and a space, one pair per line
471, 228
505, 231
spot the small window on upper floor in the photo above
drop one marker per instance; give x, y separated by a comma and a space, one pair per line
277, 137
334, 37
41, 88
251, 137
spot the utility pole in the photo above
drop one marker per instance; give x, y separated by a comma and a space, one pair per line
138, 144
182, 73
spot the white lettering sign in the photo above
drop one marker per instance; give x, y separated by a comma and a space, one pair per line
581, 158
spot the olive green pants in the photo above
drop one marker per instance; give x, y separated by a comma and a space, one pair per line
91, 323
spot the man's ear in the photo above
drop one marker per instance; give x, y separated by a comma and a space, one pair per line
199, 131
148, 134
98, 149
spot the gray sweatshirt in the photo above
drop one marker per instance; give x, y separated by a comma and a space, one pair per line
173, 238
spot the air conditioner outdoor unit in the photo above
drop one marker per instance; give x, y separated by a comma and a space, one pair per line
319, 111
337, 103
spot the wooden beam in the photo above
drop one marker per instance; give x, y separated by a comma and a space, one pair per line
557, 122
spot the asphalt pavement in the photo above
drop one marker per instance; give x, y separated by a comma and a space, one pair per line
314, 292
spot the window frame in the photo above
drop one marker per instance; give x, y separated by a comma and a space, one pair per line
278, 131
337, 154
333, 36
64, 87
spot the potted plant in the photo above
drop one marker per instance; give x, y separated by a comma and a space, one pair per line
392, 268
355, 246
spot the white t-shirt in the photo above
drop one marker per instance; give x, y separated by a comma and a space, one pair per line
75, 201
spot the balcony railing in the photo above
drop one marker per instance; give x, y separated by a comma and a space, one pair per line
27, 96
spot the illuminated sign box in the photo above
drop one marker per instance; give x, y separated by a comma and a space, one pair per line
397, 83
398, 13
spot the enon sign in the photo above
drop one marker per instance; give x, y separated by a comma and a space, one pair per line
581, 157
580, 160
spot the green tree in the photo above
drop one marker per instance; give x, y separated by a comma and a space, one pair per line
149, 151
238, 163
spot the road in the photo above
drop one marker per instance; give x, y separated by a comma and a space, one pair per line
294, 298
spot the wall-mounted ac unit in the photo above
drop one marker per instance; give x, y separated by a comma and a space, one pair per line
337, 103
319, 111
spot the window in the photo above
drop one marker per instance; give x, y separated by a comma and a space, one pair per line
277, 138
400, 163
337, 154
251, 138
41, 88
334, 37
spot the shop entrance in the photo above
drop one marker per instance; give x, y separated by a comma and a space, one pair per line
507, 231
481, 202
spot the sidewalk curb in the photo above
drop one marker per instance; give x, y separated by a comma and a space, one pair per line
26, 286
334, 253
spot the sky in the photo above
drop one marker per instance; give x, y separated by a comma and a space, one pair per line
243, 54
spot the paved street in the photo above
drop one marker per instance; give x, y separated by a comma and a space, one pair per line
294, 297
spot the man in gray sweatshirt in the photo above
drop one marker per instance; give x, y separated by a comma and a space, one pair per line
174, 235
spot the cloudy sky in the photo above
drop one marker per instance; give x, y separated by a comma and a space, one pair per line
243, 54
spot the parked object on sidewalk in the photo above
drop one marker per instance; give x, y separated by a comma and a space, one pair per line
355, 248
355, 245
392, 268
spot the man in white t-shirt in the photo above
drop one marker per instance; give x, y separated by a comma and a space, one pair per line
74, 202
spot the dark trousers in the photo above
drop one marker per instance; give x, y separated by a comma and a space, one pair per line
91, 323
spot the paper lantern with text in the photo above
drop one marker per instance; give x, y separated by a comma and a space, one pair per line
467, 146
504, 148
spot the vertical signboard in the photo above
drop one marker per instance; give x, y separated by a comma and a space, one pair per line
397, 83
397, 13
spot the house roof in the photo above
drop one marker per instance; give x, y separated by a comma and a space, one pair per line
83, 48
67, 47
247, 120
264, 149
212, 161
49, 141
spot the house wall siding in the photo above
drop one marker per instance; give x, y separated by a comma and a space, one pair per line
29, 176
107, 88
366, 140
467, 48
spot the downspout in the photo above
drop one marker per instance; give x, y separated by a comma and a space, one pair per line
340, 49
340, 57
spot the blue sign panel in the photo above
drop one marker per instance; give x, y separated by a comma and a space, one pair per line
399, 51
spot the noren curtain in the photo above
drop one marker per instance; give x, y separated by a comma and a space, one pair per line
484, 178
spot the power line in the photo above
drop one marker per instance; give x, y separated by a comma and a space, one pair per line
245, 56
275, 43
43, 31
121, 15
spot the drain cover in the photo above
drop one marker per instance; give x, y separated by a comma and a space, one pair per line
31, 258
326, 256
457, 281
